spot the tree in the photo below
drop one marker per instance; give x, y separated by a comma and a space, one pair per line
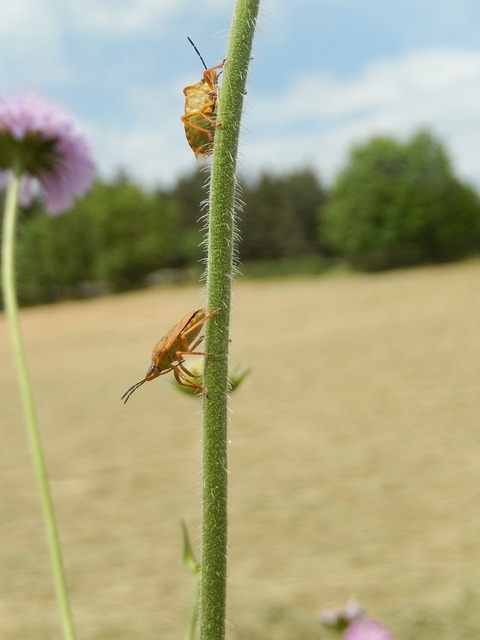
397, 205
190, 193
133, 233
55, 255
279, 218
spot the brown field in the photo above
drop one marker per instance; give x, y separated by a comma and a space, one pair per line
354, 457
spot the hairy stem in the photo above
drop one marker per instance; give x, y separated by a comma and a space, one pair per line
221, 238
11, 313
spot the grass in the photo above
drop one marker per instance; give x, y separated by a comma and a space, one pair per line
353, 459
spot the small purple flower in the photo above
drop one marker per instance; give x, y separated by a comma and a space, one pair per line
41, 141
367, 630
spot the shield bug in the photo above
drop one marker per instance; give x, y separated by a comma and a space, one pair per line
167, 354
200, 114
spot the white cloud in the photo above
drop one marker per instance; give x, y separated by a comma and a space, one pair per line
124, 16
29, 43
151, 146
129, 16
318, 117
18, 17
417, 76
59, 46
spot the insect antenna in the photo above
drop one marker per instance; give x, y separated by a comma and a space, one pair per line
198, 52
129, 392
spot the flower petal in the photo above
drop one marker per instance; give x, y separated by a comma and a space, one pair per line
41, 138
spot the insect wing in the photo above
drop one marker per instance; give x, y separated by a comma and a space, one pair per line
180, 328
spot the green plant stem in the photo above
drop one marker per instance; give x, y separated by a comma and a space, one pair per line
11, 312
221, 238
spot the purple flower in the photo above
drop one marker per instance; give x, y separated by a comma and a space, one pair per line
41, 141
366, 630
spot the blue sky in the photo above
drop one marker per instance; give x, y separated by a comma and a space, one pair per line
326, 74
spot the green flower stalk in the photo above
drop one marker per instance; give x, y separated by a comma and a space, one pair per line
39, 146
220, 266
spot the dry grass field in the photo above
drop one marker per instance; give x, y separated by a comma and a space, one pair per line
354, 458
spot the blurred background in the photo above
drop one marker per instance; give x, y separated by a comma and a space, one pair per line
354, 466
325, 75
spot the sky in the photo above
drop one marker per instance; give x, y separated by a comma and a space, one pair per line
325, 75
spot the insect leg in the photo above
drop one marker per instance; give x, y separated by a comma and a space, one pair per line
210, 78
200, 322
182, 380
184, 369
197, 342
200, 112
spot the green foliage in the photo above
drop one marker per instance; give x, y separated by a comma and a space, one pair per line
398, 205
279, 218
393, 205
54, 256
112, 240
189, 193
133, 233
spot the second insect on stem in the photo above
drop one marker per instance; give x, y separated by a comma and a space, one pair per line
168, 354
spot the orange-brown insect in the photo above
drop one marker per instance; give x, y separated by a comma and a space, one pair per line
201, 110
167, 354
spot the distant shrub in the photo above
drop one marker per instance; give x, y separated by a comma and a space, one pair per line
54, 256
279, 218
133, 233
397, 205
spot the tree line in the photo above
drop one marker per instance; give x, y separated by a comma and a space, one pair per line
393, 205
